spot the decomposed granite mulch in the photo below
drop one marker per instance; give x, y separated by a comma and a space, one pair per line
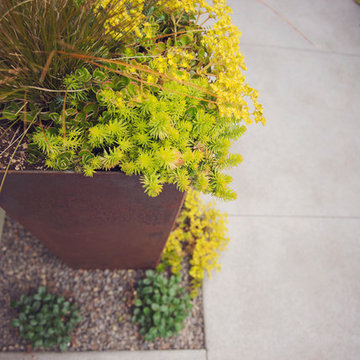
104, 297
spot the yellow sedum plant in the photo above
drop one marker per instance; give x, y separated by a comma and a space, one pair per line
200, 233
220, 42
124, 11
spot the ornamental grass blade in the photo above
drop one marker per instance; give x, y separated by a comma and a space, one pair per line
32, 31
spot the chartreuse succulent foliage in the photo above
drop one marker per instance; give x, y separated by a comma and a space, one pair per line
45, 319
200, 234
167, 135
161, 306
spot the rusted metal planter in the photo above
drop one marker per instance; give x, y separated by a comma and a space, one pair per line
104, 222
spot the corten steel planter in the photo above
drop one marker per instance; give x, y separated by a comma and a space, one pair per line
103, 222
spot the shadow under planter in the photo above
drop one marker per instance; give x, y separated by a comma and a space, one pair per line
103, 222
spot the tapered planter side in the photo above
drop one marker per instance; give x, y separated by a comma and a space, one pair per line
103, 222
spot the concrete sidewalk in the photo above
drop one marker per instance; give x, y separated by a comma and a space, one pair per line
290, 283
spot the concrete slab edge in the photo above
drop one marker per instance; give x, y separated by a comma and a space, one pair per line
110, 355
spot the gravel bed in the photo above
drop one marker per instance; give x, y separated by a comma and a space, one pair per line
104, 297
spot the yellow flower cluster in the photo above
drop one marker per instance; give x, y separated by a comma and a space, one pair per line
175, 63
173, 253
126, 15
222, 40
149, 30
200, 233
184, 5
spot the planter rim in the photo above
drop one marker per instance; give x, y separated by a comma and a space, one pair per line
98, 172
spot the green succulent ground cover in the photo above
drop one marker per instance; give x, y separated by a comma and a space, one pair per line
161, 306
45, 319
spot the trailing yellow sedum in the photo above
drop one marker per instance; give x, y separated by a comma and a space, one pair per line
201, 234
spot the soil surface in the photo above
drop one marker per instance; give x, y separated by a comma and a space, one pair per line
105, 298
13, 149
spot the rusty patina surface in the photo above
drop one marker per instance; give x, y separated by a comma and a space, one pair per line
104, 222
